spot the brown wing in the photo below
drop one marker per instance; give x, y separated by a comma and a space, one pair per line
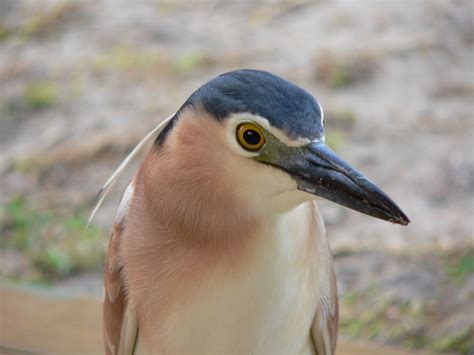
120, 324
325, 324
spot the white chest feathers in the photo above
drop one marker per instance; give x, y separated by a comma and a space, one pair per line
265, 308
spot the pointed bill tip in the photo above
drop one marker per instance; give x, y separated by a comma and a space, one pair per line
401, 219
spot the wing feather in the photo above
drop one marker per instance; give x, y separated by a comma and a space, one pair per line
119, 318
325, 324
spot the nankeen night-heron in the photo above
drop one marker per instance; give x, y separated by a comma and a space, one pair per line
218, 246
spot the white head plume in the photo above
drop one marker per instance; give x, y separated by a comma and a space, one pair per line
113, 178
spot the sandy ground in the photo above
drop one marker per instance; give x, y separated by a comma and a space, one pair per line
78, 324
82, 82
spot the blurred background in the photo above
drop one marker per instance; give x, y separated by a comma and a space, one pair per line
82, 81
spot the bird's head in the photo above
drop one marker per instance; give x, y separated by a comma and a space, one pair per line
253, 136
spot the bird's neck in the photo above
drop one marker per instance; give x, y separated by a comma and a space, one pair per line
253, 254
204, 205
214, 234
194, 209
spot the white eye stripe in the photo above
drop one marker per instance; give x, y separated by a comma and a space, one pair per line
322, 113
238, 118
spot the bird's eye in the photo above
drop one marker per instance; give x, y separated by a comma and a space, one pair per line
250, 136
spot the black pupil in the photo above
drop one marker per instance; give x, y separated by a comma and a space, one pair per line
251, 137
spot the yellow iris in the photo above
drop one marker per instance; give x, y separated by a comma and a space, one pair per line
250, 136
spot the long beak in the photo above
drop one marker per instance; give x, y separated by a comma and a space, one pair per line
319, 171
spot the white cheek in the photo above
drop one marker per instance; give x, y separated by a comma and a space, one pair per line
264, 188
290, 199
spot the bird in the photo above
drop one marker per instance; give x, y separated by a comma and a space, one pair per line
218, 245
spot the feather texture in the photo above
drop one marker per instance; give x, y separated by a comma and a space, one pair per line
199, 266
325, 324
120, 321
